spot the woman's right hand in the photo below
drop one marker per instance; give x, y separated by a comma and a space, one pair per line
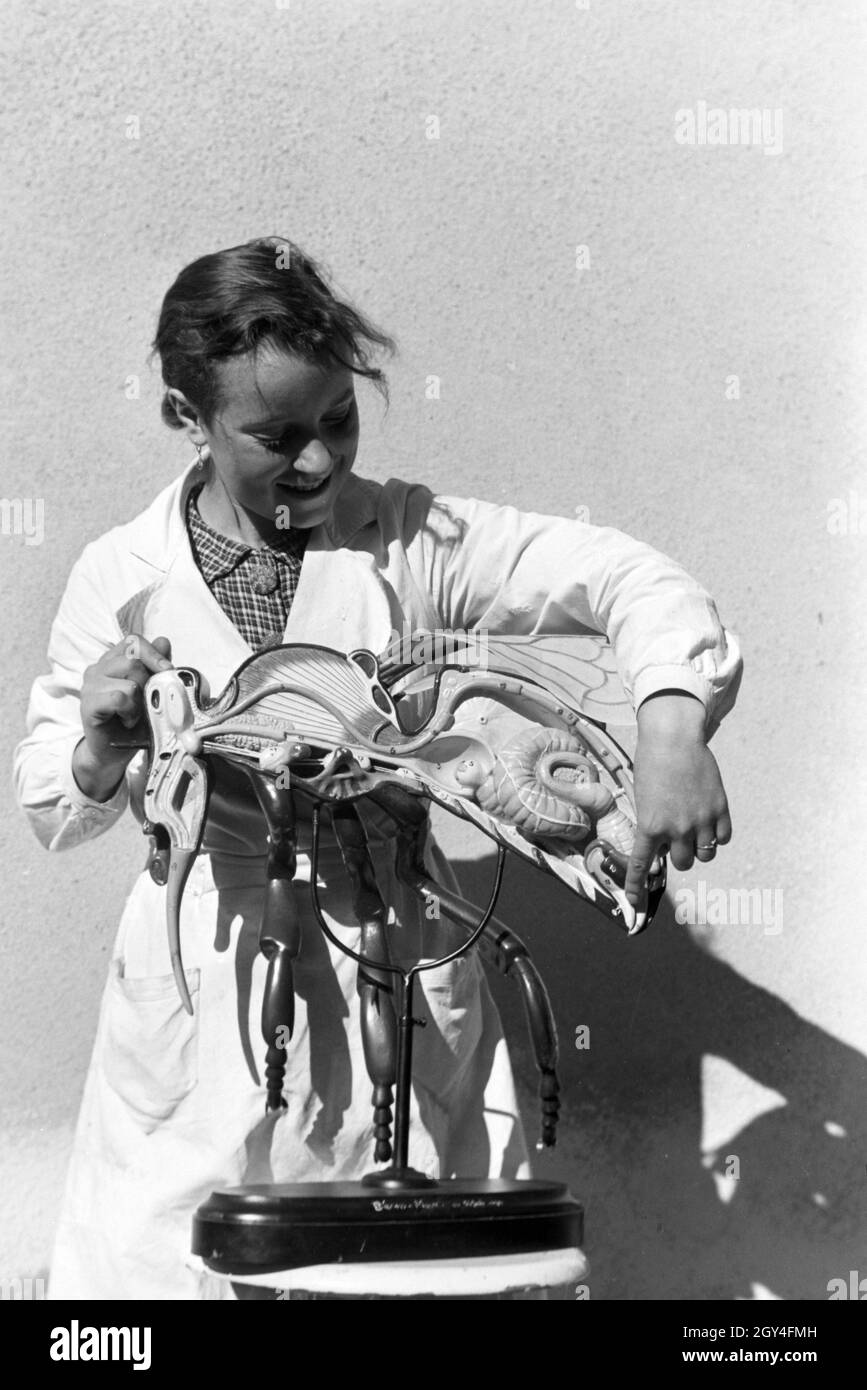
112, 711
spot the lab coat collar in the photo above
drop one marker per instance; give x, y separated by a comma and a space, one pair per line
341, 600
160, 532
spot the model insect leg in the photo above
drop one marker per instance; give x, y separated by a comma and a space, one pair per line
499, 946
378, 1021
280, 931
507, 952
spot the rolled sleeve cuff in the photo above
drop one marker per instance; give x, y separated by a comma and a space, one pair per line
656, 678
76, 798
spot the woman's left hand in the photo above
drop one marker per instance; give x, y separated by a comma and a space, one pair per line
679, 795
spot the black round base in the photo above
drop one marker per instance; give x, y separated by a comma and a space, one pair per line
262, 1228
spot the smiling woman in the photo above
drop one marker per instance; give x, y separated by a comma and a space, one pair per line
260, 361
285, 431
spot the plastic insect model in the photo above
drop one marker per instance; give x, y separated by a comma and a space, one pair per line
515, 742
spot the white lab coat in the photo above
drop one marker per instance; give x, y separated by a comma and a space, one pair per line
174, 1106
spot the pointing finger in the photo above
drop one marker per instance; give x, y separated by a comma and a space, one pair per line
640, 860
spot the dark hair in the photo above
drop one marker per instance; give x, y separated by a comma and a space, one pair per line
267, 290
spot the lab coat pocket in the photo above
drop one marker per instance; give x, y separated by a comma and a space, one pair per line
150, 1044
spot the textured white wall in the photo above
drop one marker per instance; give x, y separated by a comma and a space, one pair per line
602, 387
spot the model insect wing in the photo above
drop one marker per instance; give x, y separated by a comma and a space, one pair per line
578, 669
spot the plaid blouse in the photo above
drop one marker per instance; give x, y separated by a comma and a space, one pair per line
254, 587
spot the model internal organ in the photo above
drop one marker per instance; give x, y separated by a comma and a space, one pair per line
544, 783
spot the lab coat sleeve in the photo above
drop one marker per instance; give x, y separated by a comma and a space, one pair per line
496, 568
85, 627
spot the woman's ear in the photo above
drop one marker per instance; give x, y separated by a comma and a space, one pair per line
187, 415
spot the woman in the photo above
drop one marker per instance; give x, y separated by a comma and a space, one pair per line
271, 537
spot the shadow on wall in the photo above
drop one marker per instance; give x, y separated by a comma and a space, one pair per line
631, 1125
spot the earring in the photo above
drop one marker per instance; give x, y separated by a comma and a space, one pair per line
202, 456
